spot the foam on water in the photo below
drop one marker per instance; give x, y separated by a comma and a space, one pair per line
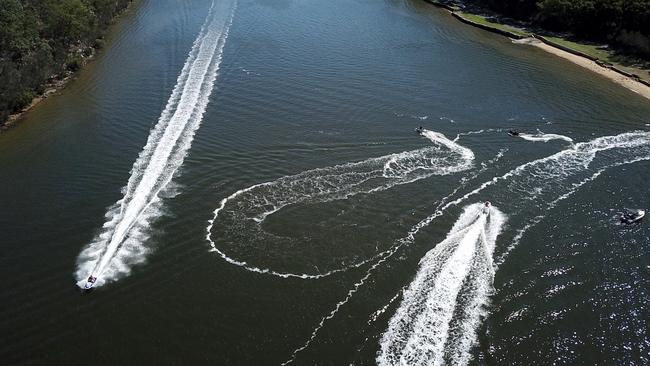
420, 329
541, 185
250, 206
477, 132
645, 155
544, 137
120, 244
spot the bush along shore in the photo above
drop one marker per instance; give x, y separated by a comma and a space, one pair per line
43, 43
626, 61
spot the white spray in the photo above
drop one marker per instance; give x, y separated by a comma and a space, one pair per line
420, 329
544, 137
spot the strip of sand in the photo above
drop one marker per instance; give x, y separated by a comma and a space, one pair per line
628, 82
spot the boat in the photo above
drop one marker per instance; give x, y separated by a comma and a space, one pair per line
486, 208
419, 129
632, 216
90, 282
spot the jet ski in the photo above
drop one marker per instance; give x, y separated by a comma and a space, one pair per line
486, 208
632, 216
513, 133
419, 129
90, 282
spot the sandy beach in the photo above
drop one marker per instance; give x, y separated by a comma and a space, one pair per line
623, 80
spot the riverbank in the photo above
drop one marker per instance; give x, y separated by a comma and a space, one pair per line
615, 76
50, 88
79, 54
597, 59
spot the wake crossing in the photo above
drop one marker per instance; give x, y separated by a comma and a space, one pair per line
247, 208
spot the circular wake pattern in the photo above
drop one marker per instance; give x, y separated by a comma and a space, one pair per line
238, 222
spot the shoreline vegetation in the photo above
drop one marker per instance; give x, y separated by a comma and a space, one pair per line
43, 44
627, 70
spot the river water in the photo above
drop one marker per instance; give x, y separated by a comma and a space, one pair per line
281, 208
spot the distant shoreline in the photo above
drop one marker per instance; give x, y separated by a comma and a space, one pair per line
50, 89
642, 88
522, 36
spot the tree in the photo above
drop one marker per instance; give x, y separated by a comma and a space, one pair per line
68, 20
18, 29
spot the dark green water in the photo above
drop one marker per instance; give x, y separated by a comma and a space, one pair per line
306, 85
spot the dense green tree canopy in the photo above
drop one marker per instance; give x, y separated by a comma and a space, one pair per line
595, 19
18, 27
41, 38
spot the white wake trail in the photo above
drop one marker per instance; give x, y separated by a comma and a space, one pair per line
575, 188
420, 329
477, 132
544, 137
120, 244
247, 208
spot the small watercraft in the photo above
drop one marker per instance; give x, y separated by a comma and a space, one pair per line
90, 283
632, 216
486, 208
419, 129
513, 133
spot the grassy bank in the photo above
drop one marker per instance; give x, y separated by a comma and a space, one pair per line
486, 22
